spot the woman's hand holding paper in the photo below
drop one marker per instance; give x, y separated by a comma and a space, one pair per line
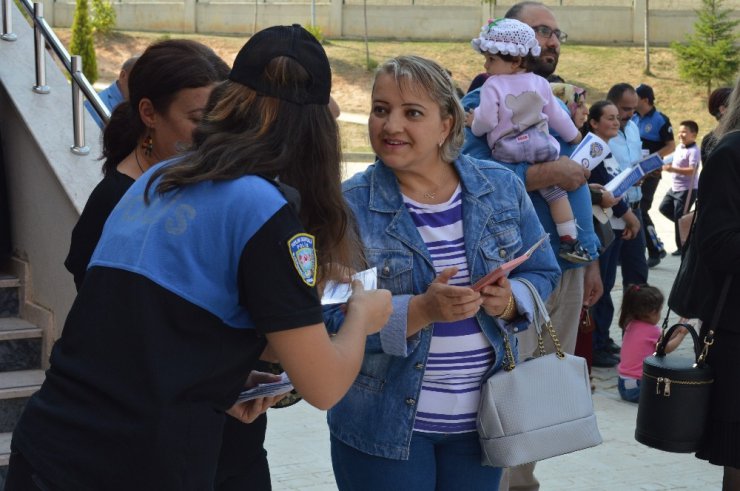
496, 297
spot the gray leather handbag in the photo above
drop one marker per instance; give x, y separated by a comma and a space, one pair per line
539, 408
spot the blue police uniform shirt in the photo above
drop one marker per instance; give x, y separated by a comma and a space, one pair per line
171, 317
655, 129
181, 266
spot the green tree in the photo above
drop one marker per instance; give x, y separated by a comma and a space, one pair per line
709, 55
103, 17
82, 41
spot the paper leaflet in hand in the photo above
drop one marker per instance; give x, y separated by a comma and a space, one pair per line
269, 389
591, 151
338, 292
602, 214
628, 177
507, 267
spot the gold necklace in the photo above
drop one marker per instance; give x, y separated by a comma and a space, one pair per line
430, 195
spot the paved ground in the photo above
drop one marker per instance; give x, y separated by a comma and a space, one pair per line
298, 442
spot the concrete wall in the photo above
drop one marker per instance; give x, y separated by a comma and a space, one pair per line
238, 17
47, 184
586, 21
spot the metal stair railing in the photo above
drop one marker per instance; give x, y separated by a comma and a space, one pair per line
44, 35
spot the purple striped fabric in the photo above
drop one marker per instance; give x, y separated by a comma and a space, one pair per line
460, 354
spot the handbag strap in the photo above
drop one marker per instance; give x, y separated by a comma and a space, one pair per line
701, 356
540, 316
709, 337
541, 321
666, 336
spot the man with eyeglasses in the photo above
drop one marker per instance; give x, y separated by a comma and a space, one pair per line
541, 19
579, 285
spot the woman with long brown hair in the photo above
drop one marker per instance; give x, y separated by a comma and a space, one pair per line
203, 262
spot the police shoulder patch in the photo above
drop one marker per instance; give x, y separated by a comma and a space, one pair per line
303, 252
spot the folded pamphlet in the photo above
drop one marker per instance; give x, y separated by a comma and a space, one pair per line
269, 389
507, 267
591, 151
628, 177
338, 292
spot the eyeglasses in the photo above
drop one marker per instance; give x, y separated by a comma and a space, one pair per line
546, 32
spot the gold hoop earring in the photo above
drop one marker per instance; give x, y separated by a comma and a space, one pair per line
148, 145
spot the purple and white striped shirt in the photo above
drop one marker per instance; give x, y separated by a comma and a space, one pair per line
460, 354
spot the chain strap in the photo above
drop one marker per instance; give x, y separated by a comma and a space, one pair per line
540, 319
558, 348
509, 363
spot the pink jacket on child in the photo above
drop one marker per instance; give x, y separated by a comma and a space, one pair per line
513, 103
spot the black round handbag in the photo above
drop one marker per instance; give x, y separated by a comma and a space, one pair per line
674, 396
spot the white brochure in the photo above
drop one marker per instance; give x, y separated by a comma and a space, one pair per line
338, 292
591, 151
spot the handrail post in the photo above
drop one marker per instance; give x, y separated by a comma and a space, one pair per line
8, 34
79, 147
38, 45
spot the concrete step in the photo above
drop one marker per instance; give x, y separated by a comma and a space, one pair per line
20, 383
15, 328
9, 281
9, 300
15, 390
4, 448
20, 345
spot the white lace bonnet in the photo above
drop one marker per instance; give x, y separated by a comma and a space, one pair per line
508, 37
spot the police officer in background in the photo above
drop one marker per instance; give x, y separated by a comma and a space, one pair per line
656, 134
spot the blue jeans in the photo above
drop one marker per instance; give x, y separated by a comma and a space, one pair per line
436, 462
632, 257
629, 395
603, 310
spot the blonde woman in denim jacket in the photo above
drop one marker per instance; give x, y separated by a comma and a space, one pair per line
432, 223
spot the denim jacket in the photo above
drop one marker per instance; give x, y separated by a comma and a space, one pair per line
377, 414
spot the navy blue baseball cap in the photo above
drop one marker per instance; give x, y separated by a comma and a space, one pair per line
292, 41
644, 91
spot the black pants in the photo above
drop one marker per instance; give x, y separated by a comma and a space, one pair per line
21, 476
242, 464
673, 206
653, 243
